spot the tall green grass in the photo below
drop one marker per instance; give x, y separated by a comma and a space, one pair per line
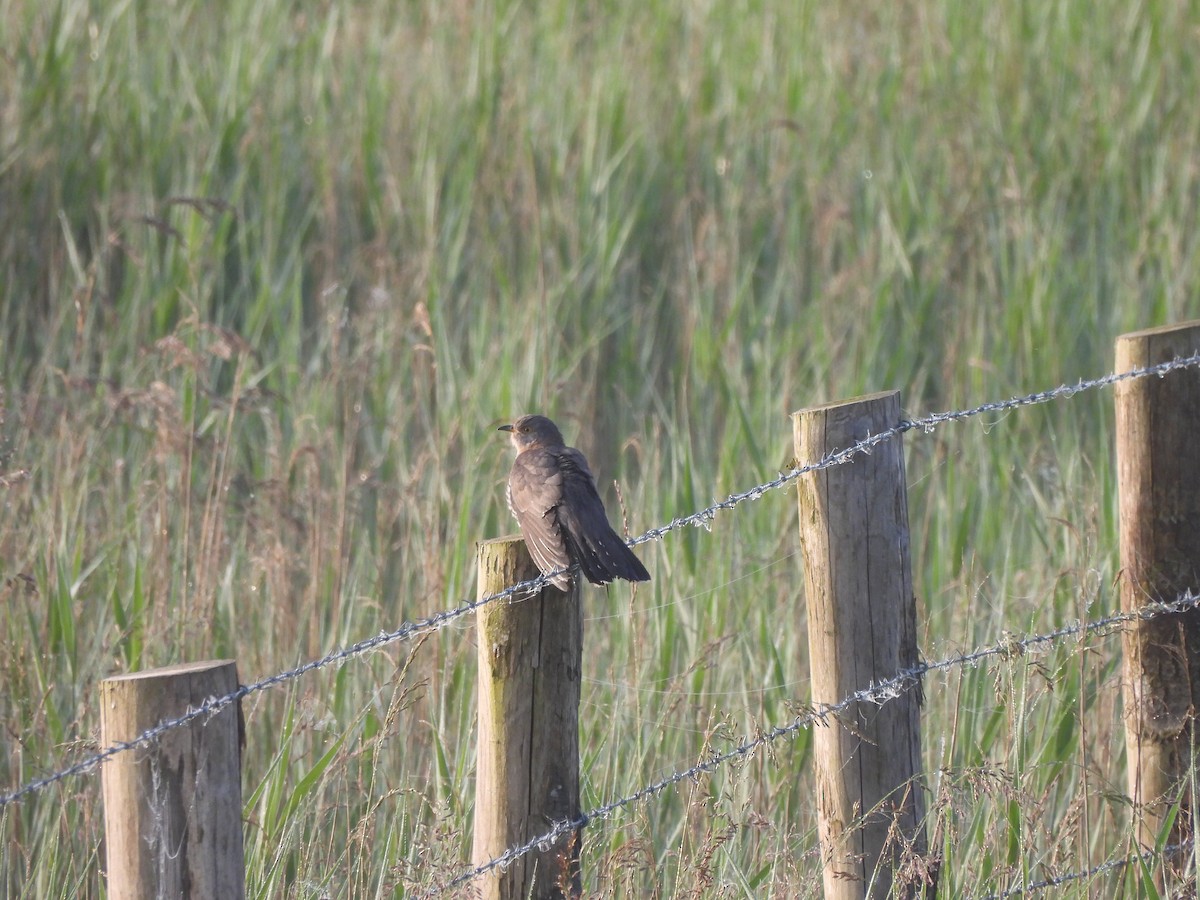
270, 274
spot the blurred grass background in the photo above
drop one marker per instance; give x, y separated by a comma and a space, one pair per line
271, 273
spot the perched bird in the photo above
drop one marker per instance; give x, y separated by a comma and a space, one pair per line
553, 496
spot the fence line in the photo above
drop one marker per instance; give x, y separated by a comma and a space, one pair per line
702, 518
926, 424
1109, 866
879, 693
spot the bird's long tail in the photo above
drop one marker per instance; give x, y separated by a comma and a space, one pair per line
603, 556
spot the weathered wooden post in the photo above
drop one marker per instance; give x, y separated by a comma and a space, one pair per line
527, 770
173, 810
861, 629
1158, 486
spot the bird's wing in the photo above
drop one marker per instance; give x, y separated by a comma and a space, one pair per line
600, 551
535, 493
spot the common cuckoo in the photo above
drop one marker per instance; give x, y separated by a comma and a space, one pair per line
553, 496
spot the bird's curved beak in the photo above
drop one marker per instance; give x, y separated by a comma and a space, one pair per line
505, 428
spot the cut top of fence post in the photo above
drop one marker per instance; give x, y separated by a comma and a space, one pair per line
171, 671
862, 407
1182, 333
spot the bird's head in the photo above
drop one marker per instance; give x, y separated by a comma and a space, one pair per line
529, 432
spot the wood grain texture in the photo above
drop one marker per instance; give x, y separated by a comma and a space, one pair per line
1158, 483
173, 810
861, 629
527, 769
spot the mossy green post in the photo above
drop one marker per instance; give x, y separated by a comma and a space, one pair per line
527, 770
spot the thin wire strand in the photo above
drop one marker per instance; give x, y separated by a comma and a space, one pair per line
1033, 887
702, 518
1010, 647
926, 424
215, 704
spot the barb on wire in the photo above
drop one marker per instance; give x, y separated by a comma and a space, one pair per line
216, 704
926, 424
879, 694
1033, 887
702, 517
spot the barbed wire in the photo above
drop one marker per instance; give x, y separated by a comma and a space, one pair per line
1009, 647
926, 424
214, 705
703, 518
1111, 865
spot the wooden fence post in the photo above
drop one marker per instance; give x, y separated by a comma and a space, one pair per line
1158, 486
527, 771
173, 810
861, 629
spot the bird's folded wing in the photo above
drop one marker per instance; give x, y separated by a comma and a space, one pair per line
600, 551
535, 492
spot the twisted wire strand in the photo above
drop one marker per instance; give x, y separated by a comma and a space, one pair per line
215, 704
703, 517
926, 424
1009, 647
1033, 887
